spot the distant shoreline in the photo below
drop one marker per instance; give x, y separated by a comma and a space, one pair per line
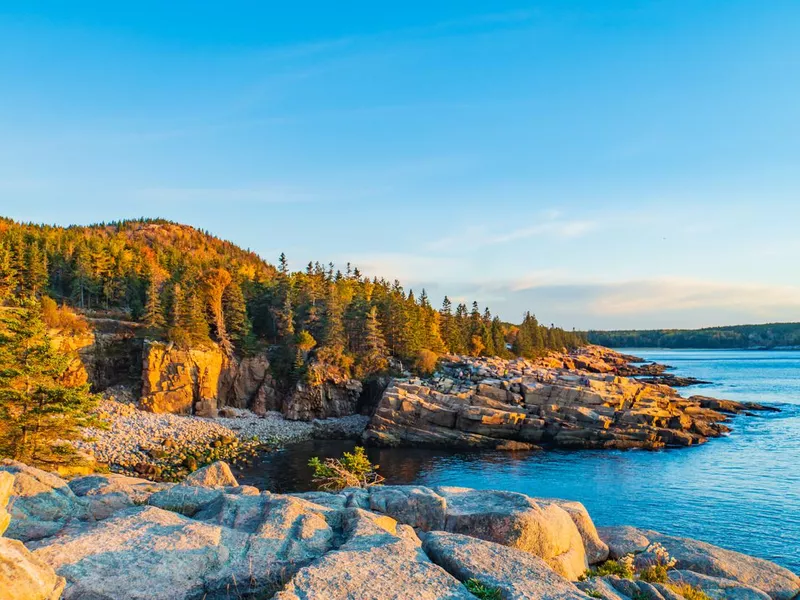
731, 349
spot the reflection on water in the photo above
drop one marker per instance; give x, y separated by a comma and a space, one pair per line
741, 492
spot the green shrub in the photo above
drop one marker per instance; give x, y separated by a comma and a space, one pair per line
594, 594
688, 591
352, 470
479, 590
621, 568
654, 574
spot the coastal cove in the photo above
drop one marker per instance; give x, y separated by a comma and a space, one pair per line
741, 491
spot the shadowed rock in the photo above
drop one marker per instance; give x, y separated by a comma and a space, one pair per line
40, 503
379, 559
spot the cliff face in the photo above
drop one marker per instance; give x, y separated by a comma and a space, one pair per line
331, 398
180, 381
203, 381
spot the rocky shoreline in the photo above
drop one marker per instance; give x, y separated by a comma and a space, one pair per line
563, 401
167, 446
114, 537
576, 400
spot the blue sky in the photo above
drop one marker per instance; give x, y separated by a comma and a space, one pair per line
603, 164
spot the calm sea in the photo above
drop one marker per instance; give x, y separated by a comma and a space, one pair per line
740, 492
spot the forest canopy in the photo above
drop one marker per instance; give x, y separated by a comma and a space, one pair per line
193, 289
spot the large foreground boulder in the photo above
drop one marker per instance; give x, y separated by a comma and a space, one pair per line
40, 503
417, 506
517, 521
379, 559
146, 553
25, 577
596, 549
518, 575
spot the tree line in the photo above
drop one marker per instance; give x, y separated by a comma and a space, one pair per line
191, 288
770, 335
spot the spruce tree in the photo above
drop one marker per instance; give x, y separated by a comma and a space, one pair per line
374, 358
194, 320
8, 274
446, 324
36, 274
39, 412
153, 317
237, 322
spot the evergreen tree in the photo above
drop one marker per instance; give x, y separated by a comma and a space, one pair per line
153, 317
36, 277
237, 322
374, 358
498, 338
284, 315
8, 274
39, 413
194, 320
446, 324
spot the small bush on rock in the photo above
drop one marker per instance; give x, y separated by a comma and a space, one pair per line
621, 568
352, 470
658, 563
688, 591
594, 594
654, 574
479, 590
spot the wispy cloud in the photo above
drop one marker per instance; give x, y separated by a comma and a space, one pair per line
646, 303
548, 224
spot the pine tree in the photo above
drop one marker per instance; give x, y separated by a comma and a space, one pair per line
284, 315
36, 275
523, 344
498, 338
39, 413
374, 359
446, 324
194, 320
8, 274
237, 322
153, 318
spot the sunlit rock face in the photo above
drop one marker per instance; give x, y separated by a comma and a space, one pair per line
485, 402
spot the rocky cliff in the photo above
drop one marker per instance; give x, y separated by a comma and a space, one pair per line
202, 381
112, 536
518, 404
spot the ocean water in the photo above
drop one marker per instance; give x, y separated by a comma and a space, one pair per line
740, 492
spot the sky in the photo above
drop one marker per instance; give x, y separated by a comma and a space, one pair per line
614, 164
